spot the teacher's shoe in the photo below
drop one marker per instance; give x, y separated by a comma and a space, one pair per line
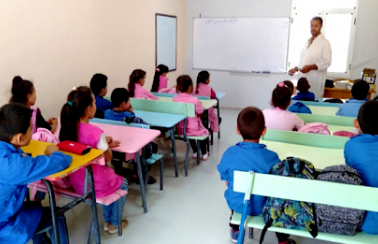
113, 229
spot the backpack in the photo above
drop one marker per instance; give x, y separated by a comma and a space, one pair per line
316, 128
344, 133
338, 220
287, 213
299, 108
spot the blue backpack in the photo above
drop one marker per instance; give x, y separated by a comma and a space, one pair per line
287, 213
300, 108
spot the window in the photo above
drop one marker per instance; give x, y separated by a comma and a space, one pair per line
339, 23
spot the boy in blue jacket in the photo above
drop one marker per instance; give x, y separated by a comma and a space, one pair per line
304, 95
360, 90
20, 220
361, 154
99, 88
248, 155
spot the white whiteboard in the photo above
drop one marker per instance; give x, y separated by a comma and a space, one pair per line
166, 34
241, 44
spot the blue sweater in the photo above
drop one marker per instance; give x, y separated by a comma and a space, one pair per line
111, 114
18, 221
350, 108
301, 95
361, 154
245, 156
102, 103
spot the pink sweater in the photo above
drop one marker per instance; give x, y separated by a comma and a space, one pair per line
279, 119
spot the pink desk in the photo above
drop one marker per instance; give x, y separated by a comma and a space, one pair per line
132, 141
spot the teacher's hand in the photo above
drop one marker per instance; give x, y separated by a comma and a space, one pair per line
306, 69
292, 71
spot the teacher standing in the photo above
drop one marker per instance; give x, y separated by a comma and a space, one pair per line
316, 57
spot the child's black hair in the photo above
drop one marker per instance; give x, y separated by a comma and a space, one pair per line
202, 77
77, 102
20, 90
14, 119
119, 95
161, 69
135, 76
290, 85
360, 89
251, 123
281, 96
184, 82
98, 82
368, 117
303, 85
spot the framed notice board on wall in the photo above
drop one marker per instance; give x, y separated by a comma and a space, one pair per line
166, 41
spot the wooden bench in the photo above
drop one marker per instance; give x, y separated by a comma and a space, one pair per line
335, 194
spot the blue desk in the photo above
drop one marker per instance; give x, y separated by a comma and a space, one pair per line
162, 120
220, 94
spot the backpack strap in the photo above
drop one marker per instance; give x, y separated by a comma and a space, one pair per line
263, 232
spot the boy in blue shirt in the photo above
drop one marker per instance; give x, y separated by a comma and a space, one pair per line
20, 220
304, 94
361, 154
248, 155
99, 88
360, 90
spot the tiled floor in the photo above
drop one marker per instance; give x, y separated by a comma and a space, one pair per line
190, 209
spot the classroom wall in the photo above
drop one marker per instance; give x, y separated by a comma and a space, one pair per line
61, 44
255, 89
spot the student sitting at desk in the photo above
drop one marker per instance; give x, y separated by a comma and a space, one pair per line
361, 154
248, 155
99, 88
360, 90
278, 118
20, 220
136, 83
160, 79
123, 111
304, 94
74, 117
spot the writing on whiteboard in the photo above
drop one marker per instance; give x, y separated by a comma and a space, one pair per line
220, 21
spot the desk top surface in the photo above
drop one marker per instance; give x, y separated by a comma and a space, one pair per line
159, 119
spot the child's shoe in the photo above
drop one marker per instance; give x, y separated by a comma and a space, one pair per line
205, 157
289, 241
234, 236
113, 229
106, 226
195, 155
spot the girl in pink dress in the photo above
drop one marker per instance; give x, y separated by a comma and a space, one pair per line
203, 89
135, 86
194, 125
160, 79
278, 118
75, 116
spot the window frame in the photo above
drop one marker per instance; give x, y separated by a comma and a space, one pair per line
322, 12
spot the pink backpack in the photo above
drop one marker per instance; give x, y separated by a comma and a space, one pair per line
168, 90
344, 133
316, 128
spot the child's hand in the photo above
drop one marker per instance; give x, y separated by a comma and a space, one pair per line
109, 139
114, 144
131, 110
52, 121
226, 183
51, 149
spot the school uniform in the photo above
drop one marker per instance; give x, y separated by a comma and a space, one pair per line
206, 91
361, 154
140, 92
350, 108
280, 119
102, 103
307, 95
18, 219
163, 82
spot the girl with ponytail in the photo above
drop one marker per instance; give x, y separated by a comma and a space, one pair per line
136, 81
23, 91
160, 78
74, 117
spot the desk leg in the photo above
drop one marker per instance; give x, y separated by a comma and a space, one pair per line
140, 175
218, 112
94, 225
206, 115
174, 150
50, 189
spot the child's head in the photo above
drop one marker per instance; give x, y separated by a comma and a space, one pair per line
137, 76
184, 84
203, 77
303, 85
290, 85
15, 124
251, 124
80, 104
360, 89
121, 99
160, 70
99, 85
281, 96
367, 120
23, 92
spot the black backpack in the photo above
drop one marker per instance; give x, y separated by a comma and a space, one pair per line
338, 220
